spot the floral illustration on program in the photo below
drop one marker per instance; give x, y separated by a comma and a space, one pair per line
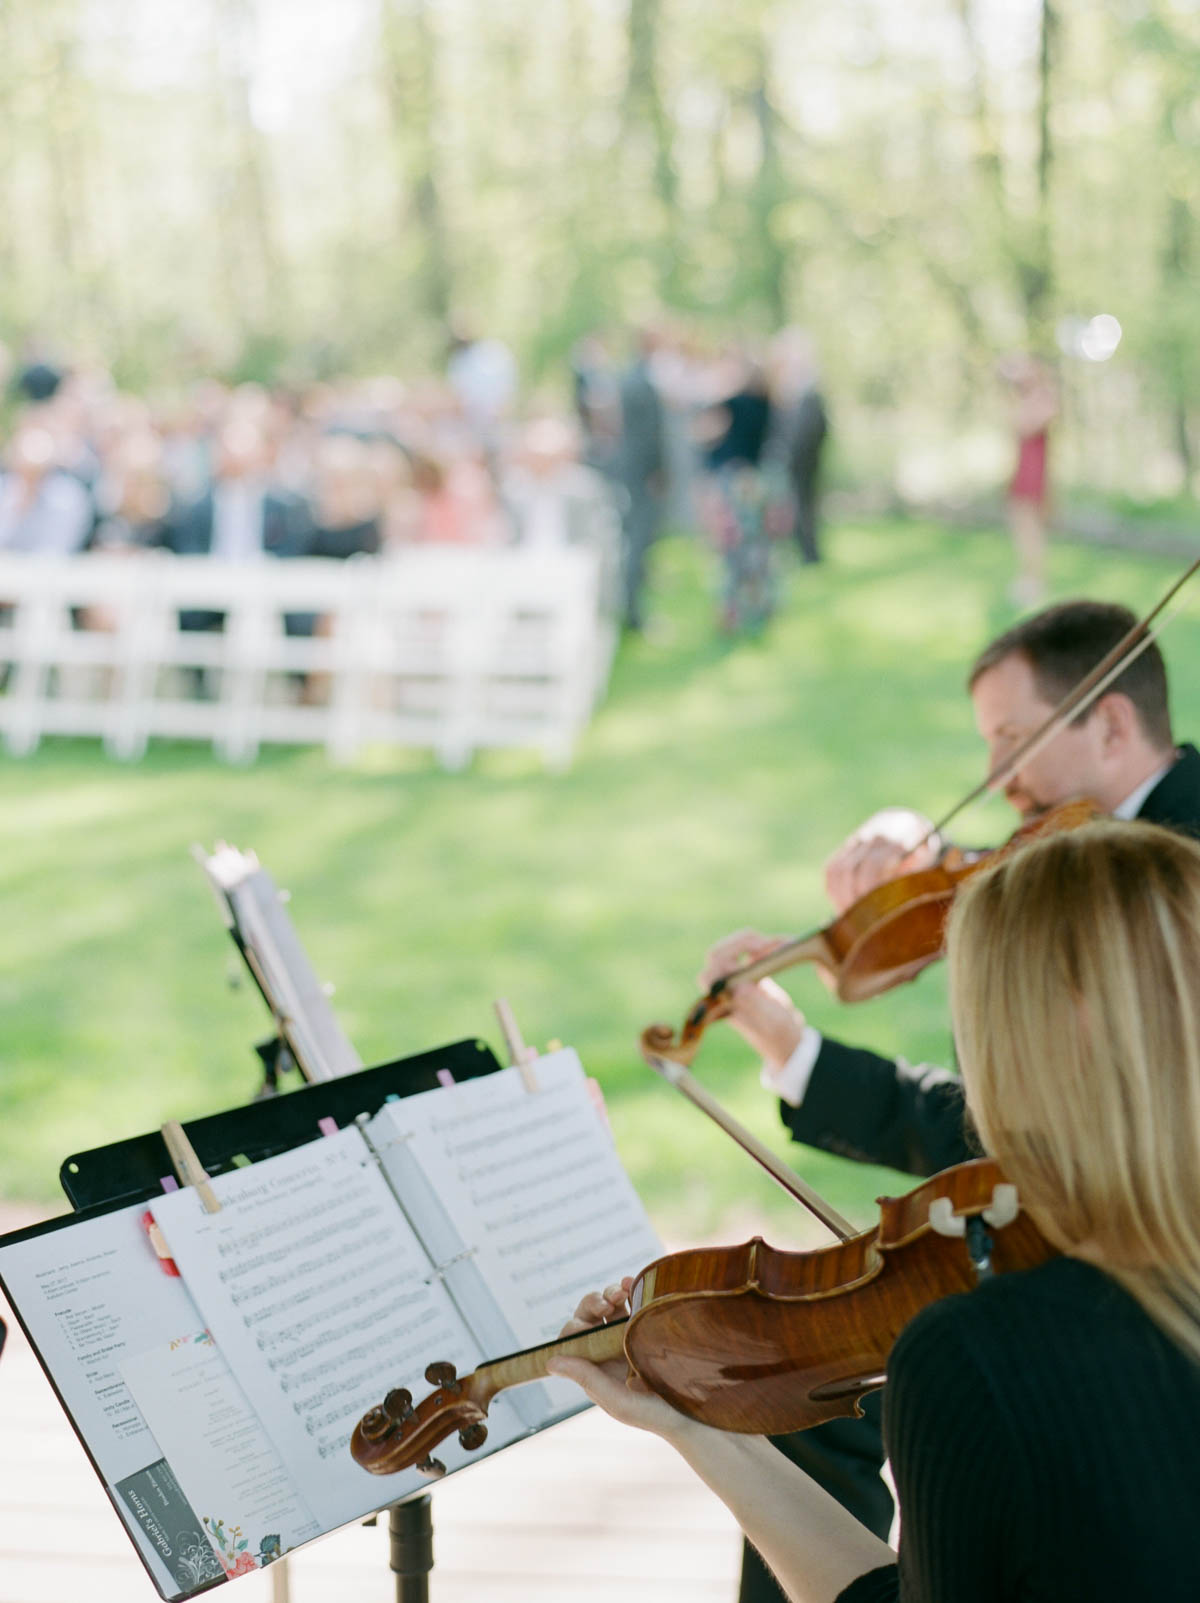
201, 1338
232, 1547
270, 1548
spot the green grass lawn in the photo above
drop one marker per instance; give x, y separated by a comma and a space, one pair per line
705, 796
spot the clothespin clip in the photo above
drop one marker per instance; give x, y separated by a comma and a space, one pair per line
519, 1055
187, 1165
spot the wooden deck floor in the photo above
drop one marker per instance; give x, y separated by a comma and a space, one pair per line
585, 1513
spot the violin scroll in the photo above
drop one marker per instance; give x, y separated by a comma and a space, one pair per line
397, 1436
660, 1040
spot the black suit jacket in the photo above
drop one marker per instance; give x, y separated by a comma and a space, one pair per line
287, 527
287, 531
911, 1117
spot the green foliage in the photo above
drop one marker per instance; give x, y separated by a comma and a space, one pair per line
706, 795
246, 186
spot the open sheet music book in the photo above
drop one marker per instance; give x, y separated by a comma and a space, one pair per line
217, 1403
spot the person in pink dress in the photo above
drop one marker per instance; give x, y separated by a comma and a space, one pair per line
1035, 406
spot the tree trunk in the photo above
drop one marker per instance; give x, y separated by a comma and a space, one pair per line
768, 193
409, 58
1038, 274
646, 120
1025, 242
1177, 288
260, 284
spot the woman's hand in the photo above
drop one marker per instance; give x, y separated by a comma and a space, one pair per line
612, 1386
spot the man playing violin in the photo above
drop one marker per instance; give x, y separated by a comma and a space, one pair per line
1121, 754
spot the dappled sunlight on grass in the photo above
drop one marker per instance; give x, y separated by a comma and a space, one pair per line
705, 796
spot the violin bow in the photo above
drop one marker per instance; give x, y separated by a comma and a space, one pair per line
1078, 699
799, 1189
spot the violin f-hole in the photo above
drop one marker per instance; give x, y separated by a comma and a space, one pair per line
836, 1391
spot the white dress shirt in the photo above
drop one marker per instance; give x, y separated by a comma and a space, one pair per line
237, 534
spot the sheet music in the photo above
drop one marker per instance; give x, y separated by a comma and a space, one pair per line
322, 1299
222, 1457
529, 1185
92, 1295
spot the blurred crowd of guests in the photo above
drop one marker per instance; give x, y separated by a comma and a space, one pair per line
730, 439
333, 469
664, 434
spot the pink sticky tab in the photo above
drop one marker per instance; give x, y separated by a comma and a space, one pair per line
445, 1078
327, 1126
169, 1183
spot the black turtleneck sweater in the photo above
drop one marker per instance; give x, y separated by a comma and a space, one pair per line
1045, 1440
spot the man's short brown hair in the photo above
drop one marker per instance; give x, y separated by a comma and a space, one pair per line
1062, 644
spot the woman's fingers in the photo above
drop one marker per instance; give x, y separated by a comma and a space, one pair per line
598, 1307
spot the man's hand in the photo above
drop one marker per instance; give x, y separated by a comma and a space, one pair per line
887, 845
612, 1386
762, 1013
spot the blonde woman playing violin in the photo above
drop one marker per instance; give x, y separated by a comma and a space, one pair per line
1043, 1428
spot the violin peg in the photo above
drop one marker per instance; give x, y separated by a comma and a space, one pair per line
432, 1468
1005, 1206
943, 1219
472, 1436
443, 1375
398, 1404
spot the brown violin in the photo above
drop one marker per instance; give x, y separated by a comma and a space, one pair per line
750, 1338
886, 937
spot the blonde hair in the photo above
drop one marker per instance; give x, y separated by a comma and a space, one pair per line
1075, 979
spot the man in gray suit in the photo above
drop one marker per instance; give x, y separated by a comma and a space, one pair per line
638, 469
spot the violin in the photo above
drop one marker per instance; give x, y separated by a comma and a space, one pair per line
889, 935
750, 1338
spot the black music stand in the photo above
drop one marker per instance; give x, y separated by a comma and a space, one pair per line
131, 1171
309, 1039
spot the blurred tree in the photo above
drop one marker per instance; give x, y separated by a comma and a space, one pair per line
649, 137
255, 271
191, 183
409, 63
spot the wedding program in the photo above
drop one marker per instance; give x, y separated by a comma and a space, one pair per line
214, 1364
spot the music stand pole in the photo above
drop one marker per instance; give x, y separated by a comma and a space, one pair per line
410, 1548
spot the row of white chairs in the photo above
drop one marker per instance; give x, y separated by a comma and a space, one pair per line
452, 649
